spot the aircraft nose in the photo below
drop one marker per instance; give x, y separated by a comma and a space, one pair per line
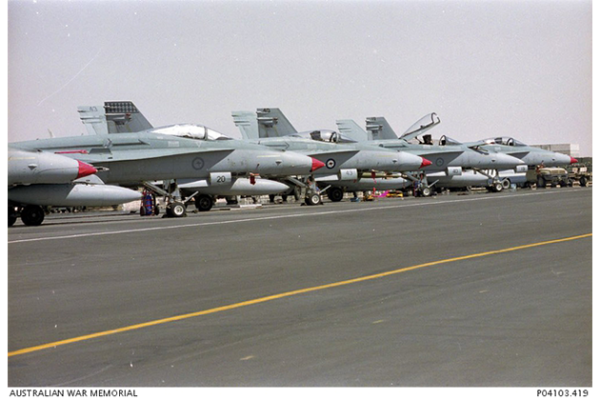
425, 162
560, 159
316, 164
85, 170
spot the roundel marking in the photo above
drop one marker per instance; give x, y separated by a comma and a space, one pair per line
330, 164
439, 162
197, 163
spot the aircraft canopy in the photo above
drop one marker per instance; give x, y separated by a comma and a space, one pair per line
325, 136
505, 141
191, 131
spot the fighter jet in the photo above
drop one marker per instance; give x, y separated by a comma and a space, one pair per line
451, 160
37, 179
172, 153
349, 166
532, 156
118, 117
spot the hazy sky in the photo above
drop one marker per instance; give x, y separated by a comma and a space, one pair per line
488, 68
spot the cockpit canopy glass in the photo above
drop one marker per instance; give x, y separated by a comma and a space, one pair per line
191, 131
421, 126
324, 136
448, 141
505, 141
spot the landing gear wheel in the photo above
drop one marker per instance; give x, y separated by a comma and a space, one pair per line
32, 215
498, 187
12, 216
582, 182
506, 184
312, 200
335, 194
426, 191
204, 203
176, 210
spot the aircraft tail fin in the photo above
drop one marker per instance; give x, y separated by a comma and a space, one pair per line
273, 123
94, 119
350, 129
379, 128
124, 117
113, 117
246, 123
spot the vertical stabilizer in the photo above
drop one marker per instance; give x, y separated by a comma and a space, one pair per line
350, 129
246, 123
124, 117
94, 119
379, 129
113, 117
272, 123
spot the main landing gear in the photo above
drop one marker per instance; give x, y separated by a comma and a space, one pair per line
31, 215
176, 206
307, 190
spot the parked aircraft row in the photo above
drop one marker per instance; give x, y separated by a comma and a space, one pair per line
186, 162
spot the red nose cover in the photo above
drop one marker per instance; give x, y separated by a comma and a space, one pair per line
425, 162
85, 170
316, 164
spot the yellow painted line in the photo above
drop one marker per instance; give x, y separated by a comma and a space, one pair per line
286, 294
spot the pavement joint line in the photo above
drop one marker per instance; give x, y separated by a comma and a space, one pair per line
287, 294
272, 217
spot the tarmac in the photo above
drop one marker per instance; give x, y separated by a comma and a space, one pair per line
480, 290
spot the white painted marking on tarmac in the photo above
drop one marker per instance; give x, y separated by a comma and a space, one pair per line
274, 217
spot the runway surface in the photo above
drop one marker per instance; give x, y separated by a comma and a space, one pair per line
478, 290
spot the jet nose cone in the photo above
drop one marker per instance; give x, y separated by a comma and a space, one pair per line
316, 164
574, 160
425, 163
85, 170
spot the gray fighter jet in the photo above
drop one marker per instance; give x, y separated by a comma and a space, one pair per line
532, 156
451, 160
173, 153
37, 179
349, 166
117, 117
